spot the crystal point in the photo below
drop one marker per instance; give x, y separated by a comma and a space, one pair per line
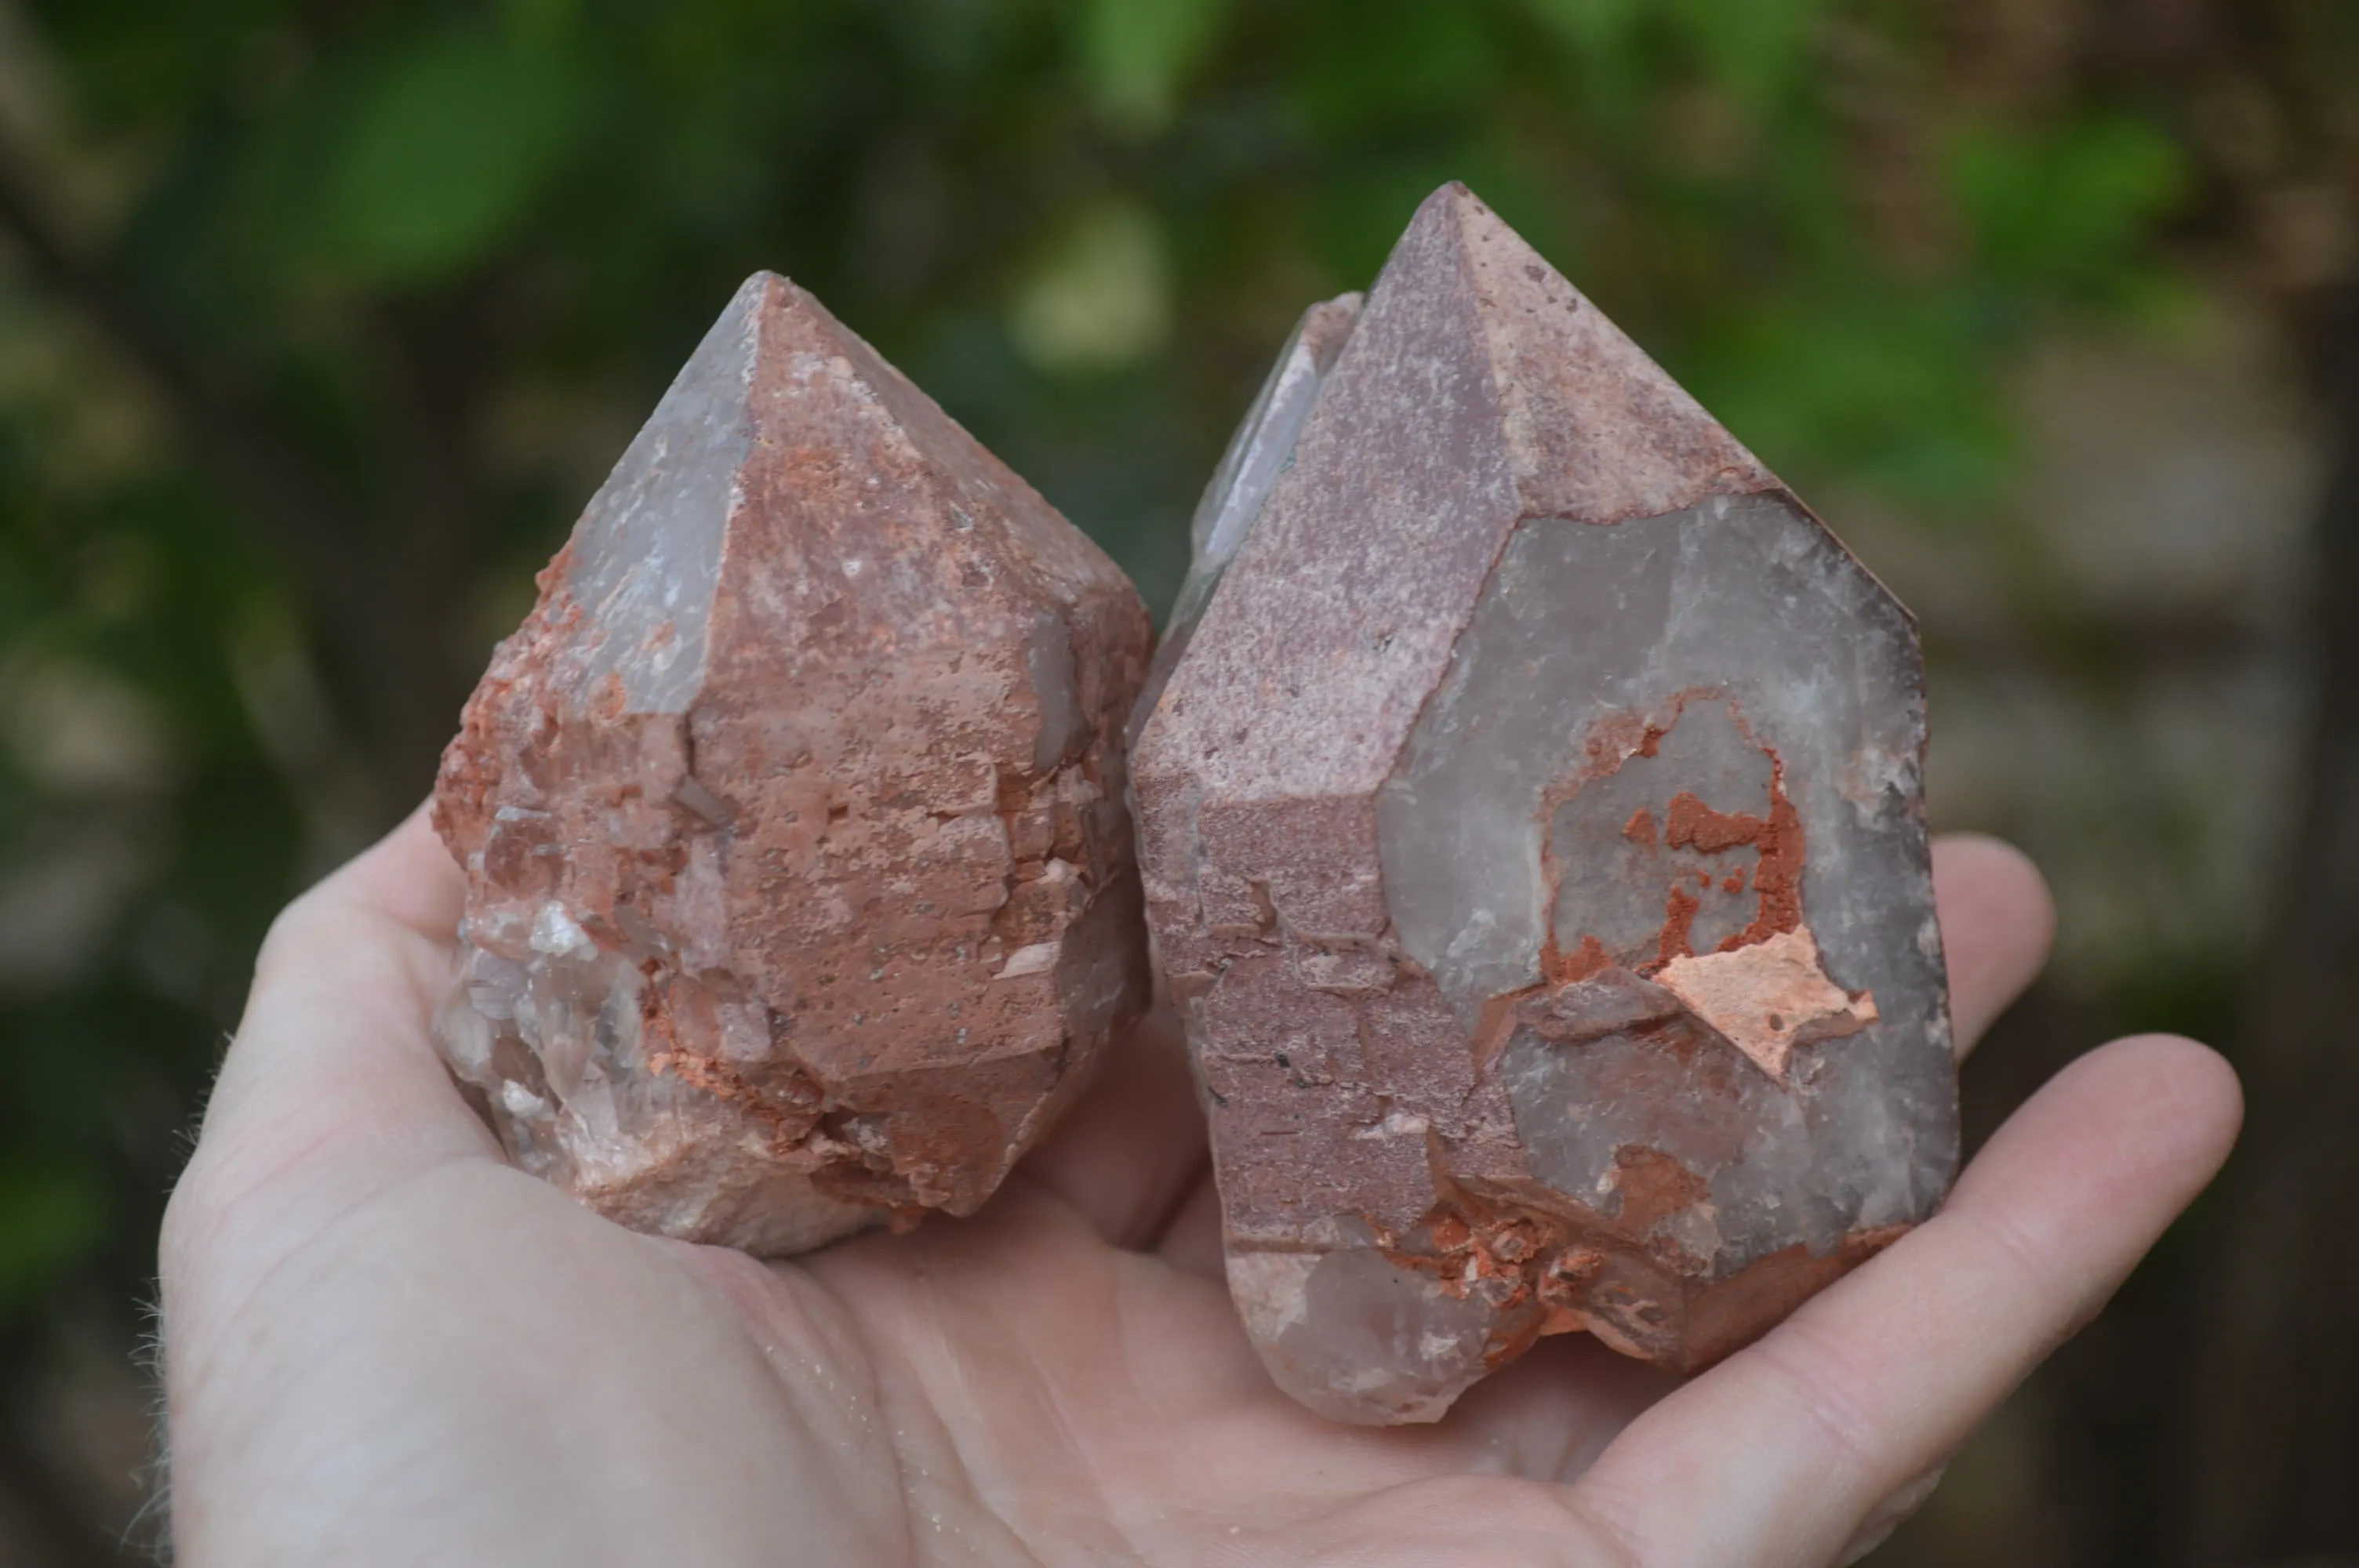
799, 884
1531, 821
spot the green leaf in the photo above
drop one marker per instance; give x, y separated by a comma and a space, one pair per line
1887, 388
1136, 55
48, 1219
1757, 49
1099, 297
2068, 209
442, 157
1402, 65
536, 24
1606, 39
1590, 26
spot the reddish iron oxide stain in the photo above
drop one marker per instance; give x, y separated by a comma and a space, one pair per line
1654, 1186
1688, 824
1694, 824
1777, 877
1563, 968
610, 699
1679, 915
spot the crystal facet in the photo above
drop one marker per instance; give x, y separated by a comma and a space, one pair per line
1533, 837
1257, 454
800, 891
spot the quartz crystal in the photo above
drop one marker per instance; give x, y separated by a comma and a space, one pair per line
801, 889
1531, 817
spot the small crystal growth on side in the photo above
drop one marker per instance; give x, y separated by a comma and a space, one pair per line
800, 888
1532, 823
1257, 454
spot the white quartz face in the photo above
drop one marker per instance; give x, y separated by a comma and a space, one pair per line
647, 554
1719, 666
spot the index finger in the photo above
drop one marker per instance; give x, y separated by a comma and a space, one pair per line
1996, 924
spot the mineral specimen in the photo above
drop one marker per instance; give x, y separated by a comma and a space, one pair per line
800, 891
1257, 454
1533, 840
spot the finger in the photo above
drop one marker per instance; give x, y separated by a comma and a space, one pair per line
409, 877
1996, 924
331, 1089
336, 1029
1547, 1417
1797, 1440
1127, 1154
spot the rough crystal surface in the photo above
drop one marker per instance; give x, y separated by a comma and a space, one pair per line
1257, 454
801, 885
1261, 448
1533, 838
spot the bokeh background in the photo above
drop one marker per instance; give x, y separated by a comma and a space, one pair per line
320, 318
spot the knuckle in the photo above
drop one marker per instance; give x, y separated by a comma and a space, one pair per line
1824, 1382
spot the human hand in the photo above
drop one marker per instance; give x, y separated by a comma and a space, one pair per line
383, 1345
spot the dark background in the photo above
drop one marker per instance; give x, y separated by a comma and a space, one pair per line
320, 318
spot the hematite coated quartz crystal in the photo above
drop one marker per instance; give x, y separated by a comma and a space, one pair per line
800, 891
1532, 814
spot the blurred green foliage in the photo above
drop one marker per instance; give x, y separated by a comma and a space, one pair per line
321, 320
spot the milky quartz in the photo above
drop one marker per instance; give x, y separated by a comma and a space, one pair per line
1530, 809
800, 891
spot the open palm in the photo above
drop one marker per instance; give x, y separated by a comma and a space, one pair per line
386, 1346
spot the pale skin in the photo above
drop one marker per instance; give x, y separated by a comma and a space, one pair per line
385, 1346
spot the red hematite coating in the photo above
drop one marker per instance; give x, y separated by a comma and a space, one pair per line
1531, 817
800, 888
